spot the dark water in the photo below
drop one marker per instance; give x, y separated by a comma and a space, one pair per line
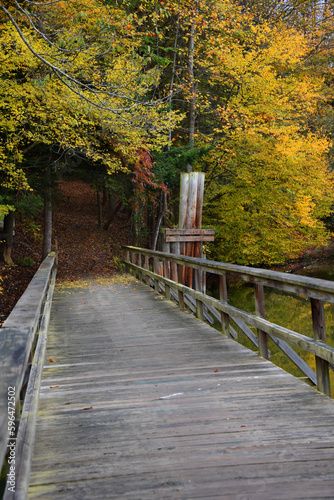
288, 310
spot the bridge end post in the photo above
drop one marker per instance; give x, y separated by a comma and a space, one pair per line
319, 331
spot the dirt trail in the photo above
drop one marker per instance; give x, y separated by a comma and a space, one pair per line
83, 249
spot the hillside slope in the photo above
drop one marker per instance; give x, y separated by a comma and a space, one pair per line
83, 249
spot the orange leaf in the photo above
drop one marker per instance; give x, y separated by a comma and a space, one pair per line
215, 371
51, 360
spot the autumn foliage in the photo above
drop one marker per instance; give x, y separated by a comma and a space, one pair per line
107, 87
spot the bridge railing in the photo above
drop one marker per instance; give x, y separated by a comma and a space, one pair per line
156, 268
22, 352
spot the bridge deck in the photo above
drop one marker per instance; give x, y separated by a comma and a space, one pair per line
143, 401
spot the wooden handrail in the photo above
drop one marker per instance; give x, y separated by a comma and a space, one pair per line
22, 350
318, 290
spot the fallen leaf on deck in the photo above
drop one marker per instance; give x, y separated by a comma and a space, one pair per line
88, 408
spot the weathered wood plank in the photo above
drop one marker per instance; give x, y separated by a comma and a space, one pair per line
188, 232
26, 432
176, 409
189, 239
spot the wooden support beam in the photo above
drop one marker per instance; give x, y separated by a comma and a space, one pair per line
224, 298
147, 266
260, 311
199, 288
319, 331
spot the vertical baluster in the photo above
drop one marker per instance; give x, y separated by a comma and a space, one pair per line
140, 274
167, 275
132, 257
199, 288
147, 266
127, 260
181, 299
223, 298
319, 331
156, 281
260, 311
166, 249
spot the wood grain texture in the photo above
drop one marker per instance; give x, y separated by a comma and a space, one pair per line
143, 401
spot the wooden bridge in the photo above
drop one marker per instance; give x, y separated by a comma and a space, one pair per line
138, 399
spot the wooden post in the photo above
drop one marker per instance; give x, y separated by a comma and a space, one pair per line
223, 298
175, 249
191, 222
166, 249
147, 265
198, 246
199, 288
260, 311
167, 275
322, 367
56, 248
156, 281
181, 299
140, 274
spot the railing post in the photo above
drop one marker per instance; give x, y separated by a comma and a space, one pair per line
147, 266
133, 261
140, 274
322, 367
127, 260
223, 298
167, 275
260, 311
181, 299
199, 288
57, 250
156, 281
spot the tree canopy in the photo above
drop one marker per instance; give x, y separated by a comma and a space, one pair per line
142, 89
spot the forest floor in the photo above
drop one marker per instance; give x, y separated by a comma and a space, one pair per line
84, 250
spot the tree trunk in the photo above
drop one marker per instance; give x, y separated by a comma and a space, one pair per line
47, 240
8, 230
193, 85
99, 209
112, 215
161, 216
171, 88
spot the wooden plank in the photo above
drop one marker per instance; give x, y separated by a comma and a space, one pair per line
27, 309
189, 239
176, 409
200, 199
26, 432
183, 208
189, 232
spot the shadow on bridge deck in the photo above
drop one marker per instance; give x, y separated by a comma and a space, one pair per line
140, 400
